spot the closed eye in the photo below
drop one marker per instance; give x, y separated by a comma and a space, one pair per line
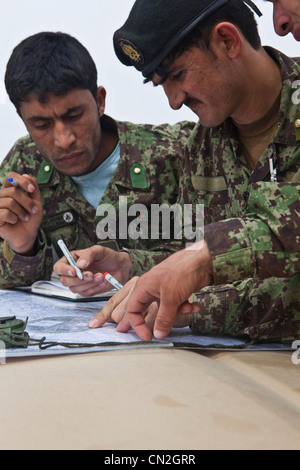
74, 116
176, 76
42, 125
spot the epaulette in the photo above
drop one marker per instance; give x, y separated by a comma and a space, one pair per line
45, 173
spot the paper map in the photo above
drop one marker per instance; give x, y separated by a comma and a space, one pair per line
67, 322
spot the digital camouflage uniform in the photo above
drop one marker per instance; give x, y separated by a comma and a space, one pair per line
252, 225
148, 172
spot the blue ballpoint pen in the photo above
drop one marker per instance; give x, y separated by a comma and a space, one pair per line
13, 182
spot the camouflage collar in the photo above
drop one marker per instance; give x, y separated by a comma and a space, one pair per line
287, 132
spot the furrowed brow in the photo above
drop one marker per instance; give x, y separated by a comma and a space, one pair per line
69, 111
73, 110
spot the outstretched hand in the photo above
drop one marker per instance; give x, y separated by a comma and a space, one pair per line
170, 284
115, 310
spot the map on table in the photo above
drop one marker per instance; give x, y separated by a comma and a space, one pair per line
65, 323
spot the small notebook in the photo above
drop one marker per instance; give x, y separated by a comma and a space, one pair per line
57, 290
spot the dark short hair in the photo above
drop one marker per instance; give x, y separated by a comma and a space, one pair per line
47, 63
235, 12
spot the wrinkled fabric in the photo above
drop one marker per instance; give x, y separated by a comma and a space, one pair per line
252, 224
156, 150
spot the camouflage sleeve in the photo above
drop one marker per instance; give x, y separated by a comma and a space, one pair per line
265, 243
17, 270
144, 260
20, 271
263, 310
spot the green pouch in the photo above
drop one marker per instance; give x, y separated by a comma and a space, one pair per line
12, 332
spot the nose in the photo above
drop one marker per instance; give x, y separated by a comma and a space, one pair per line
175, 95
282, 21
63, 135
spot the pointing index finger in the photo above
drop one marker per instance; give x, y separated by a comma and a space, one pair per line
112, 304
137, 304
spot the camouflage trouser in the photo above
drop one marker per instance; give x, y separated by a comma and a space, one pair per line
266, 310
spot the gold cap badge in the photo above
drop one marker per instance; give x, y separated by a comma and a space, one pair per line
131, 51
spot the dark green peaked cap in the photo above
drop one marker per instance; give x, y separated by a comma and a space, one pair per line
155, 27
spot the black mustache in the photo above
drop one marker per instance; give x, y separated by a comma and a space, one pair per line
190, 102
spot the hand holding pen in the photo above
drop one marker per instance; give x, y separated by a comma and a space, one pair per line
94, 262
70, 258
24, 182
21, 212
112, 281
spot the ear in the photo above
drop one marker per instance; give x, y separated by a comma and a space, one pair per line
227, 38
101, 95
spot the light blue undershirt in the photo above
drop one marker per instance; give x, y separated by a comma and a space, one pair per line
93, 185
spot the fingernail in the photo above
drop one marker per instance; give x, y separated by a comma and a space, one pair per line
99, 279
159, 334
34, 210
94, 323
30, 188
186, 309
82, 263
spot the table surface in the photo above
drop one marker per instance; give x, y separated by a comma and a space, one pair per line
151, 399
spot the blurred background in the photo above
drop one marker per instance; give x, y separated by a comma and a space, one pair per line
93, 23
